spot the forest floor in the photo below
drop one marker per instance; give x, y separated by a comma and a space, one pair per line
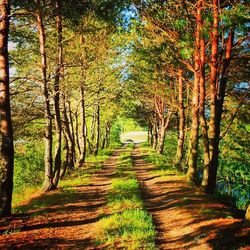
184, 217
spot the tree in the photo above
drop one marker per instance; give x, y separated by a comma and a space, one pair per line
7, 150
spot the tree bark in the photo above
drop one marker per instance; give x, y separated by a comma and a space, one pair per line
68, 136
58, 125
155, 133
216, 126
181, 134
97, 143
72, 131
213, 148
48, 161
193, 151
164, 126
6, 131
83, 144
106, 136
203, 122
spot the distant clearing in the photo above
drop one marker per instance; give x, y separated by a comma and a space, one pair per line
135, 136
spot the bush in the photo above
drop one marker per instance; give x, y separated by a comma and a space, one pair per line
29, 165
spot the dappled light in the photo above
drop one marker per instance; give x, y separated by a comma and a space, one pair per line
124, 124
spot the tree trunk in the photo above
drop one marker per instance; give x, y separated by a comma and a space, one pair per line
6, 132
151, 139
181, 136
83, 144
66, 162
161, 139
155, 132
77, 133
105, 139
203, 122
72, 131
213, 145
48, 161
214, 160
58, 124
97, 143
68, 136
193, 152
164, 126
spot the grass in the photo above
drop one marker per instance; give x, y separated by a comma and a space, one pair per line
20, 197
22, 201
125, 194
128, 226
131, 229
164, 164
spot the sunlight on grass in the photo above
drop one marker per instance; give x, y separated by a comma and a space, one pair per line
131, 229
164, 165
50, 199
128, 226
124, 194
66, 192
24, 195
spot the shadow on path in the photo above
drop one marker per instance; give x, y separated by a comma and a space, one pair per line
61, 219
186, 218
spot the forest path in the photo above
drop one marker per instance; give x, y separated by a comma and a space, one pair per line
184, 217
67, 225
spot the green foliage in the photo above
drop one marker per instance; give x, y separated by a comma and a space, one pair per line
29, 168
233, 173
164, 163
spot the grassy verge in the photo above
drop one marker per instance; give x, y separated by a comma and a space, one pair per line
128, 226
31, 197
164, 164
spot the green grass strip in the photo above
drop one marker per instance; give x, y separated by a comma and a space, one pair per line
129, 226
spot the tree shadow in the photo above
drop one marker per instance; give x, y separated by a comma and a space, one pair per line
202, 218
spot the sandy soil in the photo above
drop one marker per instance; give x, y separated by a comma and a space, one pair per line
186, 218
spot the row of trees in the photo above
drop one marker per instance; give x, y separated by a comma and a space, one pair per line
189, 65
64, 86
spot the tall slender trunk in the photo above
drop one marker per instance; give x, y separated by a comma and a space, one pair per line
214, 160
48, 161
192, 163
203, 122
164, 126
181, 135
97, 143
151, 139
77, 132
6, 131
83, 144
72, 130
213, 101
58, 124
67, 133
155, 132
105, 139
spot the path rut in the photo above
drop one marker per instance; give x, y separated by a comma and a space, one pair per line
66, 226
186, 218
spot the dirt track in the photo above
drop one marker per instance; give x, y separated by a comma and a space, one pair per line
184, 217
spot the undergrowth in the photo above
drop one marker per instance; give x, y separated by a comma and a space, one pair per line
22, 196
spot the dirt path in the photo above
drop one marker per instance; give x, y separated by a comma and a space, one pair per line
184, 217
68, 225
